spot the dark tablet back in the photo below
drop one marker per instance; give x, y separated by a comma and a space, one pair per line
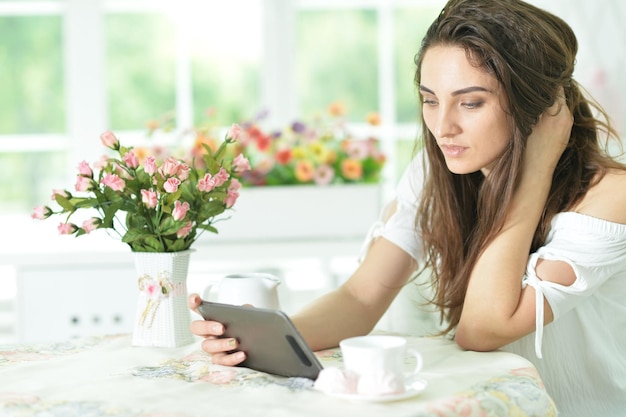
271, 341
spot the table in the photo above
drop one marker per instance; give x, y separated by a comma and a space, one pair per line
106, 376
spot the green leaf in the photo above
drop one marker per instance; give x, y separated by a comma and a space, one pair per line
85, 202
170, 226
136, 221
209, 159
109, 214
176, 245
207, 227
209, 210
64, 203
111, 195
154, 244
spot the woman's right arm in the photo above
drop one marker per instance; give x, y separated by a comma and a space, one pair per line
355, 307
352, 309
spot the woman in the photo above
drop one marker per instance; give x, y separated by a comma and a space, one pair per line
519, 213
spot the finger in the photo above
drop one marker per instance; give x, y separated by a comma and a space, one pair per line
228, 359
219, 345
193, 301
559, 102
207, 328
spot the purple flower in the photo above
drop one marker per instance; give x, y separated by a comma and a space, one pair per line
261, 115
298, 127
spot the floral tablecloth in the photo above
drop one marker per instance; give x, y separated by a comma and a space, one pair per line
106, 376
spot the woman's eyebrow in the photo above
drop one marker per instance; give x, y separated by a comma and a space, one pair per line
458, 92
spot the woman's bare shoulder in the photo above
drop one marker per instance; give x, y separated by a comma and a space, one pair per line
607, 199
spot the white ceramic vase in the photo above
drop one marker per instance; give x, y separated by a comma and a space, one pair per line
162, 318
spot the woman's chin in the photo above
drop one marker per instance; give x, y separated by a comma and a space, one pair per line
460, 169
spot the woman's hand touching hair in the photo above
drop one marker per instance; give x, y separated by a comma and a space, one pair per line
549, 137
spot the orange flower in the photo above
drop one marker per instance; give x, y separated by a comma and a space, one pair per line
141, 153
373, 118
337, 109
283, 156
304, 171
198, 149
351, 169
153, 125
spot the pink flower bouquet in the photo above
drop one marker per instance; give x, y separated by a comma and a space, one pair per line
153, 205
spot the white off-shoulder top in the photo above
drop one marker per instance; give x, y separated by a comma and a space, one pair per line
581, 355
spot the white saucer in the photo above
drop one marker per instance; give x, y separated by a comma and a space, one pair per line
411, 391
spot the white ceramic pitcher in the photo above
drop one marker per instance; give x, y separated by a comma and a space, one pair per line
258, 289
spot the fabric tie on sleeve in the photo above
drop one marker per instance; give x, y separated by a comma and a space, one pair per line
375, 231
533, 280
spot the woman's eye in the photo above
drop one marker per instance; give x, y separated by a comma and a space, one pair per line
429, 102
472, 104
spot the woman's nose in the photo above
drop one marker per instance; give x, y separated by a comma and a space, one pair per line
446, 123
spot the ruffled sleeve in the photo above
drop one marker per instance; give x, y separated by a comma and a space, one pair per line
596, 251
397, 219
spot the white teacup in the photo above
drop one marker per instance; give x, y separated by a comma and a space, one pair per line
379, 362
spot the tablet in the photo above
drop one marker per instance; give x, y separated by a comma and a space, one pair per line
271, 341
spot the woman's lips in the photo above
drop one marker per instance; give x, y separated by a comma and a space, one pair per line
453, 150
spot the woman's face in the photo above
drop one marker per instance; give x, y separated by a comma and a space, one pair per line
463, 107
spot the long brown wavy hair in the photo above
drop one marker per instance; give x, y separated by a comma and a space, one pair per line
532, 54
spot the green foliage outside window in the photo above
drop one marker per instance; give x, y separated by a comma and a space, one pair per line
337, 61
230, 89
31, 75
410, 26
140, 68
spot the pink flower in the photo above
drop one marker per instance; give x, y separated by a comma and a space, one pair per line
84, 169
114, 182
231, 198
131, 160
357, 149
109, 140
234, 132
241, 163
221, 177
149, 198
91, 224
235, 185
153, 289
67, 228
169, 167
171, 185
101, 162
180, 210
41, 212
62, 193
182, 172
184, 231
122, 171
324, 175
150, 165
83, 183
206, 184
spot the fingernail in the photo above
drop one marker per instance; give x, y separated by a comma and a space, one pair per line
232, 343
240, 356
218, 329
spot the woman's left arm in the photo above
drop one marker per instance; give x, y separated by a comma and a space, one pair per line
496, 309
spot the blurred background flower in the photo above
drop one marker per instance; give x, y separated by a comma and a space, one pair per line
321, 151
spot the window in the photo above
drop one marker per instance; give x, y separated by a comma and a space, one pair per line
70, 69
